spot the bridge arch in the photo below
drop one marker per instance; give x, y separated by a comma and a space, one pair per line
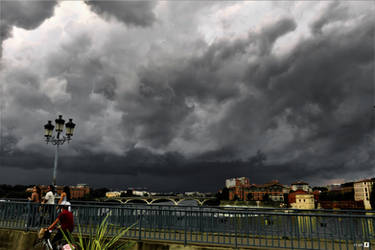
166, 199
189, 199
113, 200
176, 200
136, 199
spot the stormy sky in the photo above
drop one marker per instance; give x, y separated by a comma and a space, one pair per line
180, 95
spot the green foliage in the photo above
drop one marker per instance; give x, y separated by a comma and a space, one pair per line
321, 189
223, 195
95, 194
266, 197
99, 239
17, 191
336, 196
286, 200
250, 196
236, 198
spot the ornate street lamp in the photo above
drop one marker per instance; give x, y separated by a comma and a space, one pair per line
58, 140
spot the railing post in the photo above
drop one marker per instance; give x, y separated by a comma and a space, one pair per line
140, 225
200, 219
235, 230
28, 216
185, 227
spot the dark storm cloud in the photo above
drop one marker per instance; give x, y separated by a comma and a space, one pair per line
155, 111
322, 90
161, 105
24, 89
139, 163
233, 107
139, 13
23, 14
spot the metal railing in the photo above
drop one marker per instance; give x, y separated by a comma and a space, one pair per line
268, 228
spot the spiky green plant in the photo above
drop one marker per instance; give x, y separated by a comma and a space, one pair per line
98, 239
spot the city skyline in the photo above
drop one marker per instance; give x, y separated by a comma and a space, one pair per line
178, 96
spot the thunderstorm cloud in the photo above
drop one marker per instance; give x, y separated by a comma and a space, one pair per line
176, 96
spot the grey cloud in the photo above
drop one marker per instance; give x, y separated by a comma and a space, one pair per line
308, 111
85, 74
148, 168
162, 102
310, 87
160, 172
23, 14
139, 13
106, 85
336, 12
271, 33
156, 114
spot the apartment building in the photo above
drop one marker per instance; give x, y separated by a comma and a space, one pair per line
304, 201
274, 190
237, 188
362, 191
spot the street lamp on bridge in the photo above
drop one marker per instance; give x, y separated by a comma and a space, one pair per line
59, 139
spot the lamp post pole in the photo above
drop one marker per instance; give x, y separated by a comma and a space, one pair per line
56, 140
55, 165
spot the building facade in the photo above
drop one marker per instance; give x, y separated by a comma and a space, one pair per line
300, 185
272, 191
362, 191
237, 188
304, 201
113, 194
292, 195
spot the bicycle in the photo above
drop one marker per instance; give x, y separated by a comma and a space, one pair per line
44, 240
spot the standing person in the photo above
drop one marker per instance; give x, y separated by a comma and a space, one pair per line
49, 200
66, 220
35, 195
35, 198
65, 196
50, 195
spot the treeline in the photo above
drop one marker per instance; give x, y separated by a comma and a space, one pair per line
336, 196
17, 191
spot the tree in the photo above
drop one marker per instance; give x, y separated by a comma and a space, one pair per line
286, 199
321, 189
250, 196
266, 197
100, 192
223, 195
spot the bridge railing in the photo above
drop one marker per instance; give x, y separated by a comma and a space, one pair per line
290, 229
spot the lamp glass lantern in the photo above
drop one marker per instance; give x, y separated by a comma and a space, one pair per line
59, 124
70, 128
48, 129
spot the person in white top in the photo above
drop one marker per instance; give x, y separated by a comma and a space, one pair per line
65, 197
50, 197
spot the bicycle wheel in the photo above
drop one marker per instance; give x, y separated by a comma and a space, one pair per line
48, 244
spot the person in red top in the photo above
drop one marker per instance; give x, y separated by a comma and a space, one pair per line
66, 220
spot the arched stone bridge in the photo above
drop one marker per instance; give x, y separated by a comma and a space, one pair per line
176, 200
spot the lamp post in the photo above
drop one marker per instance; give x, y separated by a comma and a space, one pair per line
59, 139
